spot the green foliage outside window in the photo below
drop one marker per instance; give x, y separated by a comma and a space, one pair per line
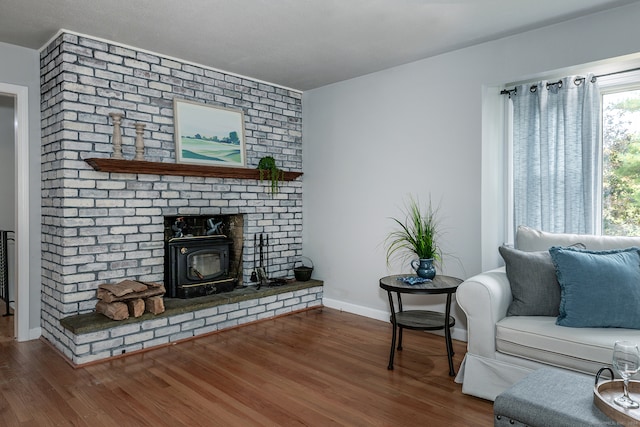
621, 168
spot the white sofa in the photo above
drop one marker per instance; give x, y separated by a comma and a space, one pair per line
503, 349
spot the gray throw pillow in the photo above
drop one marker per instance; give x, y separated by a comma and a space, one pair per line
534, 285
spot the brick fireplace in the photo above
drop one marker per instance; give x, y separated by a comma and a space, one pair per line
103, 227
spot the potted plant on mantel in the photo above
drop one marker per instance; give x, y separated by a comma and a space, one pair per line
268, 169
416, 235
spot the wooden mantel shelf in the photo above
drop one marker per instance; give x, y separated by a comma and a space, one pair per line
178, 169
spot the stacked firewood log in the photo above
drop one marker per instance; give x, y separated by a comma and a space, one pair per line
118, 301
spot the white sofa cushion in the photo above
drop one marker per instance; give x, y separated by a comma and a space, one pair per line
529, 239
539, 338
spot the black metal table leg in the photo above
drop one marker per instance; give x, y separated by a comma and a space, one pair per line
393, 345
400, 327
393, 336
447, 336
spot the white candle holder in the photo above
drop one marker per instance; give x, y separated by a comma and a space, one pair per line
116, 118
139, 141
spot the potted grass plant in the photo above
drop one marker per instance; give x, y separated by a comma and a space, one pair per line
416, 235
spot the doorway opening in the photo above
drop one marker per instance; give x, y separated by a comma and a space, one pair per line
7, 215
18, 265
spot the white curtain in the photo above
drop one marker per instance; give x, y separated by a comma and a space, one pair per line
556, 148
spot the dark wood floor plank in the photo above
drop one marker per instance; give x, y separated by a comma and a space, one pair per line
321, 367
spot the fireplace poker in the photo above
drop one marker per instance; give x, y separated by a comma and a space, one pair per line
261, 250
266, 267
261, 272
271, 282
254, 275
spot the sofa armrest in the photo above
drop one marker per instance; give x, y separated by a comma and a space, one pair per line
484, 298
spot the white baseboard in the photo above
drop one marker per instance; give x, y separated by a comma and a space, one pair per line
458, 333
356, 309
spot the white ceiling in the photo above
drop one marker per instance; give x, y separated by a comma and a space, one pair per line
300, 44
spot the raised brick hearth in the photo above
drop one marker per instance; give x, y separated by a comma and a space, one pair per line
105, 226
95, 337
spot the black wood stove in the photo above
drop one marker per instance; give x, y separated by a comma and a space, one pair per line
197, 266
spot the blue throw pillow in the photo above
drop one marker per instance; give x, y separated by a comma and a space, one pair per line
598, 288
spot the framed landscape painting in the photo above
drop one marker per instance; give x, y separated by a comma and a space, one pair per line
208, 135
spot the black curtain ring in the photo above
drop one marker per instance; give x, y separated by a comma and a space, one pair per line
550, 85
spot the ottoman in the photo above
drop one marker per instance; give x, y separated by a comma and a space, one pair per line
550, 397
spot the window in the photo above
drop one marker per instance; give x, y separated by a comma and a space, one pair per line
621, 161
598, 195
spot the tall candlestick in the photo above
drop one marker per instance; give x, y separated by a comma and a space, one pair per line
139, 141
117, 135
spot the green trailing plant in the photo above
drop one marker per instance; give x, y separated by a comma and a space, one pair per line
416, 234
269, 169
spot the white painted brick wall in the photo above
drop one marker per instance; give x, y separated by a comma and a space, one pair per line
104, 227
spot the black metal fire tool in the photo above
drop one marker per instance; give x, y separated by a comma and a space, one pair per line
254, 275
261, 273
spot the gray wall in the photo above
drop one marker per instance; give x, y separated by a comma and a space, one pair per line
7, 182
20, 66
418, 128
7, 163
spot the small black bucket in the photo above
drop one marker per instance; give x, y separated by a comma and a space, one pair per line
303, 272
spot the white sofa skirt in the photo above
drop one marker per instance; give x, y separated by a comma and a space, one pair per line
488, 377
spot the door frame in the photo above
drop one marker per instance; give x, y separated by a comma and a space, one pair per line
21, 203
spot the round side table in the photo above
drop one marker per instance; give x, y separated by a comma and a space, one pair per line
422, 320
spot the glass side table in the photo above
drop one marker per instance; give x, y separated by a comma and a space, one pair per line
422, 320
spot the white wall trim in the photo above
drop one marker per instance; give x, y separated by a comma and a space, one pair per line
458, 333
21, 324
356, 309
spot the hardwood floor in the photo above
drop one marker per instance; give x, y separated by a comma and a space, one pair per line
6, 324
321, 367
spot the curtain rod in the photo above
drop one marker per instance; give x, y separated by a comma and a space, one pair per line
559, 82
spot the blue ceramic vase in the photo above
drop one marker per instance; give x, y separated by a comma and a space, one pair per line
424, 268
